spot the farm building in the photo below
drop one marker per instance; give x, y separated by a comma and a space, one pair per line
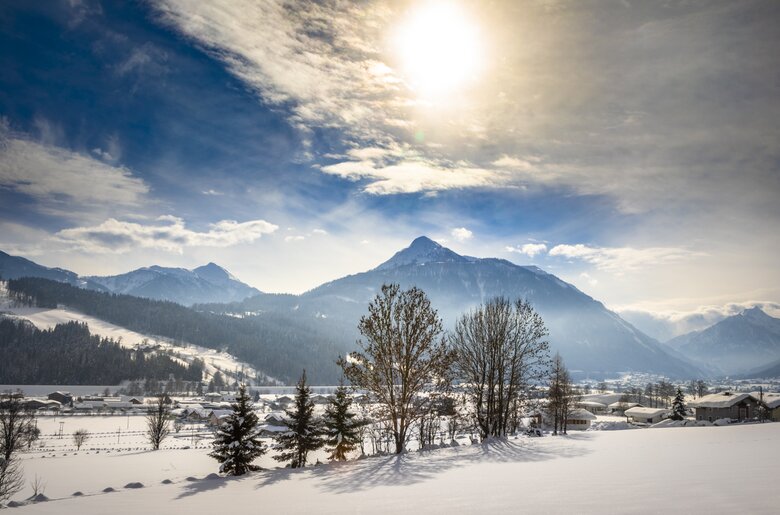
579, 419
730, 405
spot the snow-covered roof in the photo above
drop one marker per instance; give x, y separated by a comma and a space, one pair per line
771, 399
645, 412
721, 400
621, 405
581, 414
274, 417
592, 404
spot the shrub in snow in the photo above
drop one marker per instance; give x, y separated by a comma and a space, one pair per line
166, 481
134, 485
77, 494
108, 489
237, 442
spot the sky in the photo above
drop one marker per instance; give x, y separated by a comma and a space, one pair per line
631, 148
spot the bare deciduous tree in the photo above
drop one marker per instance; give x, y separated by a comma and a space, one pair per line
11, 478
500, 350
562, 395
15, 424
158, 422
38, 486
15, 428
402, 358
79, 437
701, 388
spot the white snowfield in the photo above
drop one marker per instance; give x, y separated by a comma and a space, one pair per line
679, 470
48, 318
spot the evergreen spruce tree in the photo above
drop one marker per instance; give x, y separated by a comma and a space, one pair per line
341, 428
237, 442
304, 431
678, 406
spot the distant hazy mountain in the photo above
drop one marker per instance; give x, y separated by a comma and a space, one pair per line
771, 371
735, 345
591, 338
208, 283
14, 267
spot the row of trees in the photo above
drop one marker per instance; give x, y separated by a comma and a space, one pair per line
406, 364
662, 393
237, 442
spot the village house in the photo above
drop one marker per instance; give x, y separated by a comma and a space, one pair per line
274, 419
774, 408
620, 407
593, 406
641, 415
217, 416
64, 398
40, 403
579, 419
772, 402
729, 405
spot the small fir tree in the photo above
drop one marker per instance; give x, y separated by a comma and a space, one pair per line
237, 442
304, 431
678, 406
341, 428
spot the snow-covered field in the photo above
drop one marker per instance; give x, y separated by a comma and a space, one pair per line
679, 470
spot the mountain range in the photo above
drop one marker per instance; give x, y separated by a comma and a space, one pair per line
593, 340
739, 344
208, 283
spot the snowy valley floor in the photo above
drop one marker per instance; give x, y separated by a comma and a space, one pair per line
679, 470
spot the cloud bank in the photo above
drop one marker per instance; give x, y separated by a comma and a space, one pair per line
169, 234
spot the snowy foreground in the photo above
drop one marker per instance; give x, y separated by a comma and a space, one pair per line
730, 469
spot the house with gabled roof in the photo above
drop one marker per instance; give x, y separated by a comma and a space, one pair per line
729, 405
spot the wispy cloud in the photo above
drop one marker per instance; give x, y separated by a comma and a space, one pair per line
529, 249
319, 59
622, 259
414, 176
329, 65
62, 181
169, 234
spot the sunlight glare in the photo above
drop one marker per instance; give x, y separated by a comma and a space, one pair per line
439, 49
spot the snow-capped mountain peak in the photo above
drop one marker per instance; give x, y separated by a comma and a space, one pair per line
421, 251
214, 273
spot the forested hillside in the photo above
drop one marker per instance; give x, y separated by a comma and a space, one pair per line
69, 354
276, 343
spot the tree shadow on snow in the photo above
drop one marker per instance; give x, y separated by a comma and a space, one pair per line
415, 467
204, 485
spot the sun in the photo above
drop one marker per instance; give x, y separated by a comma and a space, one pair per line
439, 49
